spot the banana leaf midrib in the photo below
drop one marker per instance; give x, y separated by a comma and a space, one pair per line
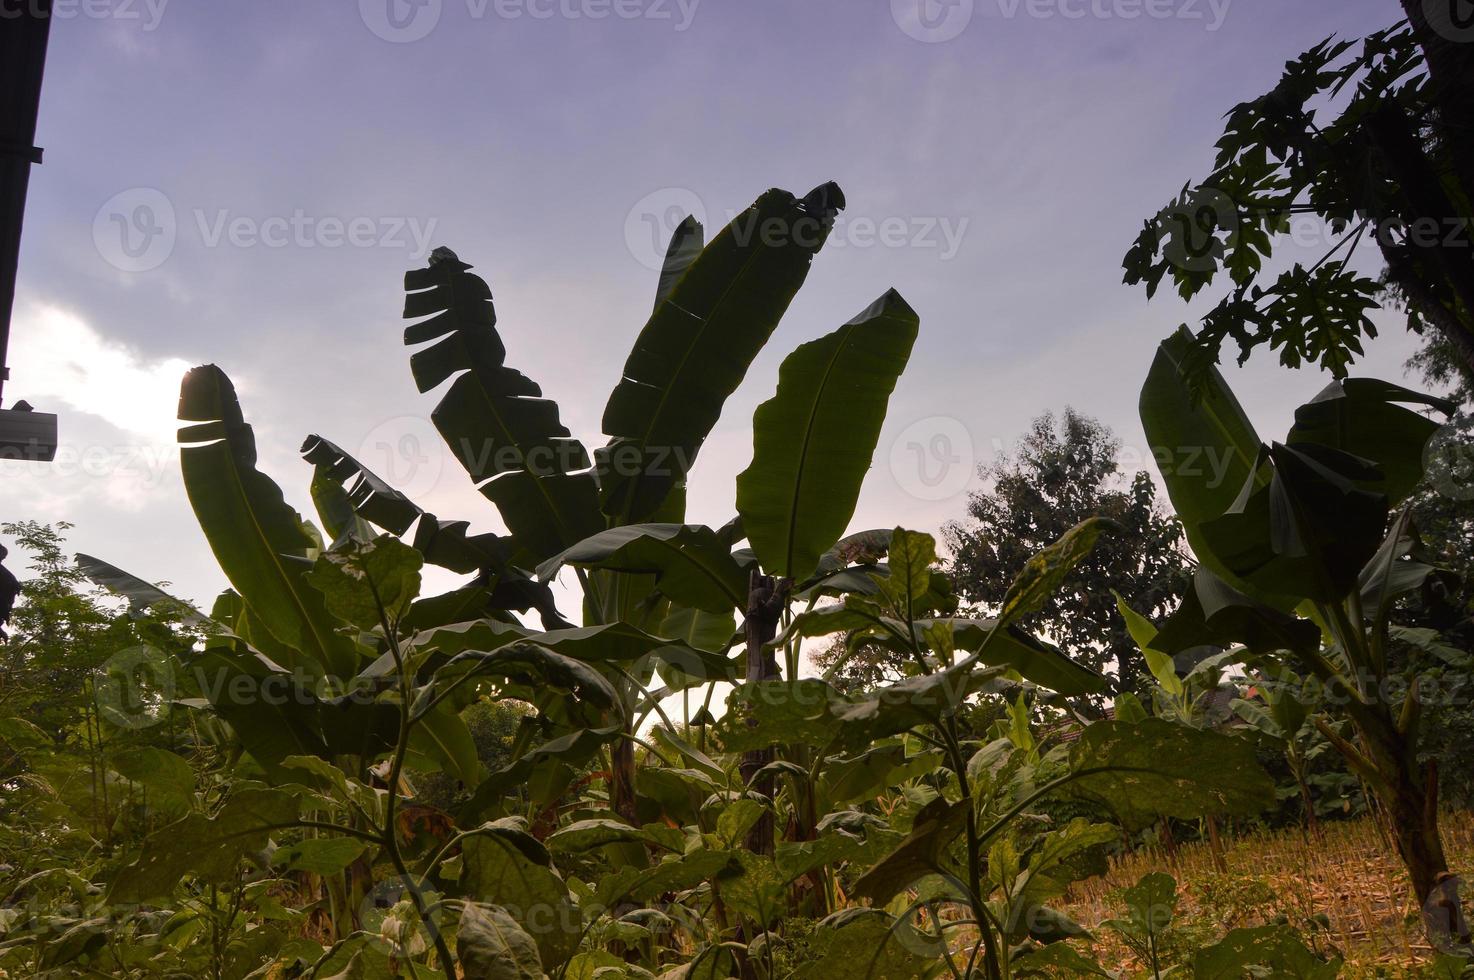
243, 496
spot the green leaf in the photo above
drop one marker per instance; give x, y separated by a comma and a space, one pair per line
493, 418
1043, 574
1213, 613
1365, 418
869, 944
1274, 946
921, 853
141, 595
686, 243
700, 341
1151, 903
1032, 658
443, 544
531, 665
506, 867
690, 563
1141, 629
777, 712
1309, 532
320, 855
365, 581
210, 848
443, 736
254, 534
574, 749
912, 555
162, 772
1205, 446
814, 440
1156, 768
491, 945
595, 832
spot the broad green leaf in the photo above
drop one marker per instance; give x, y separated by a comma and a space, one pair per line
142, 596
494, 419
690, 563
777, 712
210, 848
319, 855
1275, 947
586, 835
574, 749
686, 243
1032, 658
253, 532
700, 341
921, 853
368, 583
443, 736
506, 867
673, 873
912, 555
752, 887
1206, 448
1129, 708
335, 508
1151, 903
923, 699
162, 772
530, 665
814, 439
699, 629
492, 945
1156, 768
1307, 533
1164, 669
868, 944
1213, 613
738, 817
1367, 419
1043, 574
1056, 959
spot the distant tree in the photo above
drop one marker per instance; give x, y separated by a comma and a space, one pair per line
1065, 470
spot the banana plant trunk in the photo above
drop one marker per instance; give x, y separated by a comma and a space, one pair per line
622, 779
766, 597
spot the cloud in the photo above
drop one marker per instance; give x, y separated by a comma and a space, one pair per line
62, 362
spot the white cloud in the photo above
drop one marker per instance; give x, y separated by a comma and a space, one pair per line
61, 362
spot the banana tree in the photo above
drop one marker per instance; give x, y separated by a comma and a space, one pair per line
1304, 556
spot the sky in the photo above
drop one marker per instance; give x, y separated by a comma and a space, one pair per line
245, 183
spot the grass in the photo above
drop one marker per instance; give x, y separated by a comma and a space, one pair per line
1346, 892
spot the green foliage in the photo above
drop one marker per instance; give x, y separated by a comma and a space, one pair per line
1066, 471
1387, 164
